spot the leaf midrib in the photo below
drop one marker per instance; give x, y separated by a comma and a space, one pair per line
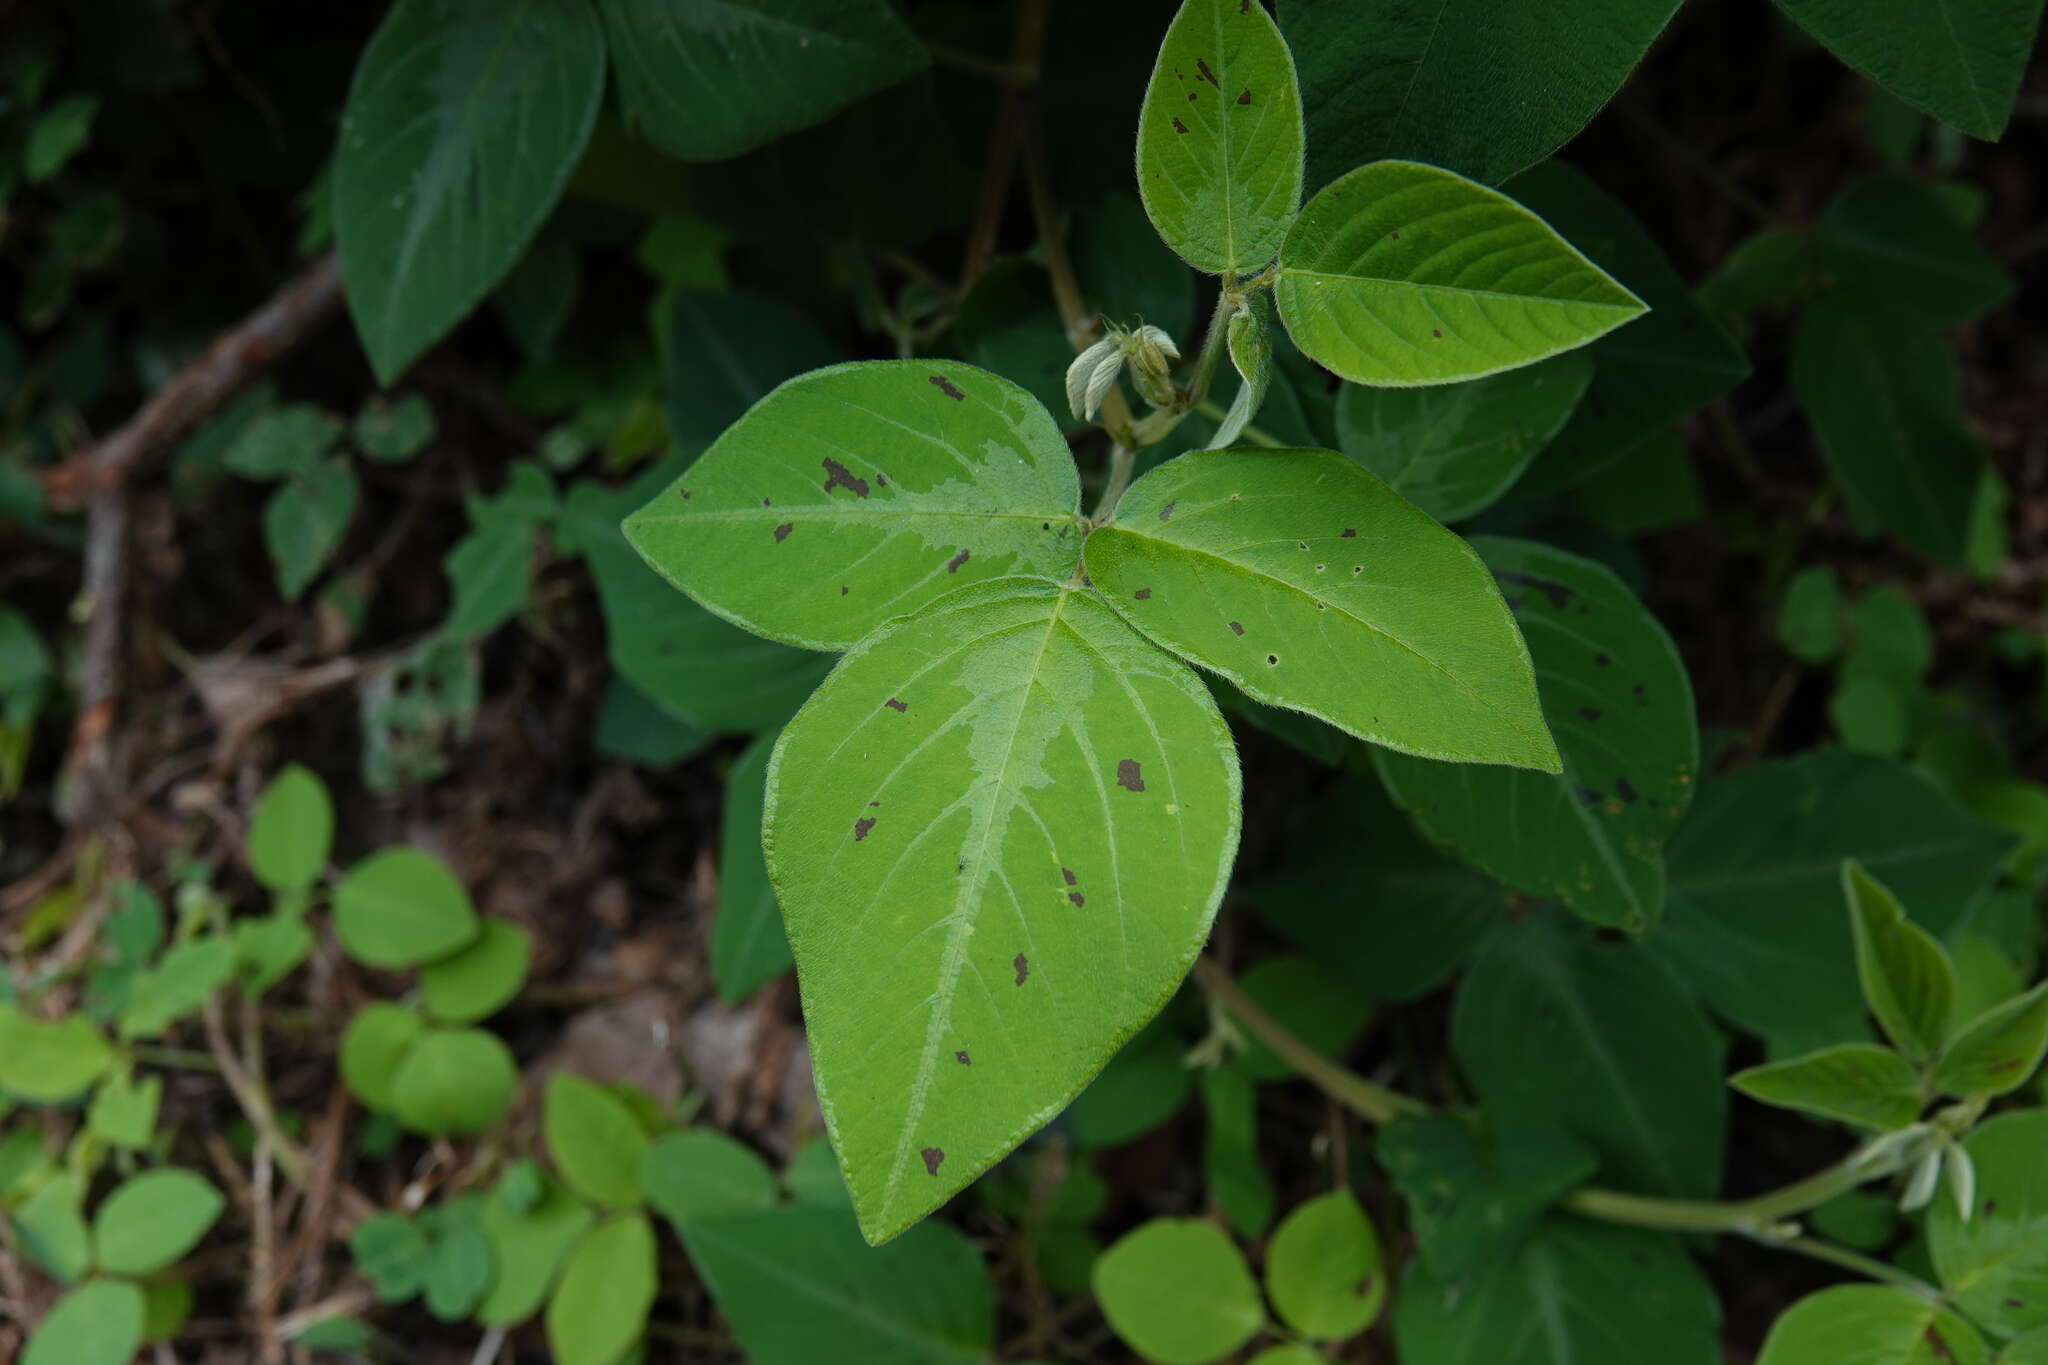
1633, 309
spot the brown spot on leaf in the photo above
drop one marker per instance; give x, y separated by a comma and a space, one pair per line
1244, 6
1557, 592
1022, 965
1077, 898
1192, 97
1143, 594
685, 492
962, 1058
1245, 98
932, 1157
1236, 629
1397, 236
953, 564
1591, 713
1625, 790
1179, 127
1202, 70
862, 826
766, 503
1068, 873
1127, 775
946, 387
782, 531
842, 590
1166, 512
894, 704
1348, 533
1939, 1347
838, 475
1437, 333
1272, 660
881, 482
1602, 659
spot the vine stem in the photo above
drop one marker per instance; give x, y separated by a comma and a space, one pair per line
1763, 1218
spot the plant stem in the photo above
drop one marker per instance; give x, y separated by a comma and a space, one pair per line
1258, 437
1863, 1265
1214, 342
1122, 459
1763, 1217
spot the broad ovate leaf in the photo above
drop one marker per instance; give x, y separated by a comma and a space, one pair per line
1994, 1264
1871, 1324
1619, 703
858, 493
1907, 980
1312, 586
712, 80
1219, 137
463, 122
1323, 1268
1997, 1051
1454, 449
999, 832
1959, 60
1401, 274
1178, 1292
1859, 1082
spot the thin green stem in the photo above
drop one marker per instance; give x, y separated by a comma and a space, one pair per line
1122, 459
1764, 1217
1862, 1265
1214, 342
1258, 437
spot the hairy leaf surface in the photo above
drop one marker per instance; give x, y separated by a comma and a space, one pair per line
999, 832
1400, 274
1219, 137
1311, 585
860, 492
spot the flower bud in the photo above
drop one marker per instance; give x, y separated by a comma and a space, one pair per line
1091, 374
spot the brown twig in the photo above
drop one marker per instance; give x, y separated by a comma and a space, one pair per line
999, 167
97, 476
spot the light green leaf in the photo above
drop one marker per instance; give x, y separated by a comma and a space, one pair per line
152, 1220
723, 353
1251, 350
304, 521
392, 431
1219, 137
1647, 375
402, 908
1236, 1182
1178, 1292
798, 1287
50, 1225
270, 948
1996, 1052
528, 1246
291, 831
595, 1140
373, 1046
453, 1082
1752, 920
481, 979
1595, 1038
748, 947
123, 1111
179, 984
48, 1063
1450, 83
600, 1307
282, 442
697, 668
59, 133
1289, 1353
859, 493
491, 570
1576, 1293
1323, 1268
2029, 1349
1005, 876
1400, 274
1890, 237
711, 81
460, 1272
1309, 584
1959, 60
1995, 1264
1859, 1082
1454, 449
704, 1174
463, 122
1884, 394
1619, 703
1870, 1324
1475, 1184
1809, 619
1906, 979
96, 1324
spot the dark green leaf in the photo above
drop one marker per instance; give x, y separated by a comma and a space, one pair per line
723, 353
1959, 60
463, 123
748, 947
1890, 239
1128, 273
282, 442
1236, 1182
394, 1253
491, 571
178, 985
536, 299
1996, 1052
1144, 1085
1859, 1082
304, 521
393, 431
1475, 1187
1809, 619
703, 1174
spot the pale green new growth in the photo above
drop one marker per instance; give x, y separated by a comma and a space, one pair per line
858, 493
1401, 274
999, 832
1251, 351
1859, 1082
1309, 584
1220, 137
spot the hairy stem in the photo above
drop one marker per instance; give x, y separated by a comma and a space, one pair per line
1764, 1217
1122, 459
1214, 342
1256, 435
